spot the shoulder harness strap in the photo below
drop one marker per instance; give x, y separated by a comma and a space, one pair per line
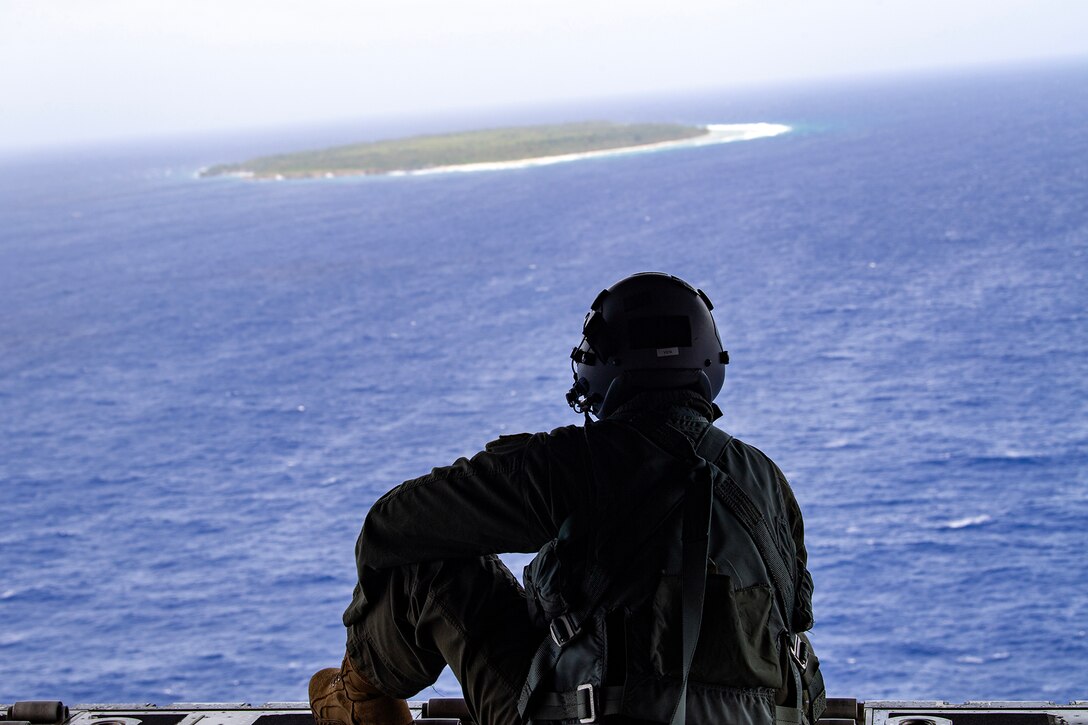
698, 505
804, 666
650, 516
748, 514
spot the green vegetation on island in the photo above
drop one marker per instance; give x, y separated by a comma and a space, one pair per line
455, 149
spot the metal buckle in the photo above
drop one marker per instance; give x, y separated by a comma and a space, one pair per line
800, 652
562, 630
592, 703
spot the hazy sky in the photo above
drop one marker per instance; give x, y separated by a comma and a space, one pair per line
75, 70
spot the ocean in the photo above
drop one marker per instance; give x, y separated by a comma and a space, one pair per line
204, 383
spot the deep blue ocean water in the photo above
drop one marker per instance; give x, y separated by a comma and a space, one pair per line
205, 383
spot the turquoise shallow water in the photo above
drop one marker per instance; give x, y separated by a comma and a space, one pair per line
204, 383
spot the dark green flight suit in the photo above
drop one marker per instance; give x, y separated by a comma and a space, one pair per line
431, 592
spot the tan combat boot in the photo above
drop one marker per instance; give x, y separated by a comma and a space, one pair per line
345, 697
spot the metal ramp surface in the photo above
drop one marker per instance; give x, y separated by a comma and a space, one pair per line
452, 711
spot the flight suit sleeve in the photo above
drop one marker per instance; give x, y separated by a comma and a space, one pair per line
802, 611
510, 497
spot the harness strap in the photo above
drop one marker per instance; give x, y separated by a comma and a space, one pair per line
696, 546
580, 703
814, 694
711, 444
543, 663
808, 680
817, 697
748, 514
787, 715
649, 518
585, 704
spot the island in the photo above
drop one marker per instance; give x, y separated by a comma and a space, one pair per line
487, 149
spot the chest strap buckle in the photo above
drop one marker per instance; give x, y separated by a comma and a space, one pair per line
800, 651
562, 630
588, 689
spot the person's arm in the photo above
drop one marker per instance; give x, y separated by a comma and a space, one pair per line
511, 497
803, 619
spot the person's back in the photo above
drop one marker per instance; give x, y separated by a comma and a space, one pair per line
600, 632
643, 458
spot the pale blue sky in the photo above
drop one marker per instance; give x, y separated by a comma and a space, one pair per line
79, 70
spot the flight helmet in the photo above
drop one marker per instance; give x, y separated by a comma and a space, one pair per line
649, 331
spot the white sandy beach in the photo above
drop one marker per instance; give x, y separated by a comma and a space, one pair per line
717, 133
